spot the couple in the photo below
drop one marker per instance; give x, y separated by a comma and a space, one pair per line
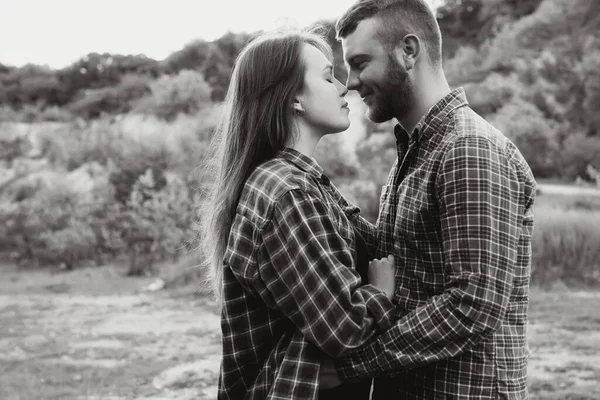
441, 311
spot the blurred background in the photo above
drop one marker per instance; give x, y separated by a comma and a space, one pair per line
107, 109
101, 143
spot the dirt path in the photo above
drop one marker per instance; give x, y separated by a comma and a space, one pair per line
165, 346
109, 347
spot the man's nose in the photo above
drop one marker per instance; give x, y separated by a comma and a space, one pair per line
352, 83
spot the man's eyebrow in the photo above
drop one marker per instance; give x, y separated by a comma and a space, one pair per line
352, 60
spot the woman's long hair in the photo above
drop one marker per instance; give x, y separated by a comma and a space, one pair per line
257, 121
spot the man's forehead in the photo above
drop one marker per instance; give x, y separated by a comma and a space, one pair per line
362, 39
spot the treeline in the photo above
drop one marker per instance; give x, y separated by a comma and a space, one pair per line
106, 83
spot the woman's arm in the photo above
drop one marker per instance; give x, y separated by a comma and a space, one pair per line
364, 227
307, 271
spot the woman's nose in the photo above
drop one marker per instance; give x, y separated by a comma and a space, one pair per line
343, 89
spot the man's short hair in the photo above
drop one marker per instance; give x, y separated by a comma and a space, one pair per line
398, 18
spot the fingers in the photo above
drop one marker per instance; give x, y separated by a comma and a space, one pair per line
381, 262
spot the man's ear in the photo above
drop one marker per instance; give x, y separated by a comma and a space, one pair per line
408, 51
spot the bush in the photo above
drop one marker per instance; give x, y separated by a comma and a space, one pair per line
187, 92
337, 162
535, 136
578, 153
461, 67
158, 222
493, 93
55, 225
376, 155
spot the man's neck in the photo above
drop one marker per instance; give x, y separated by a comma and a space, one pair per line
428, 95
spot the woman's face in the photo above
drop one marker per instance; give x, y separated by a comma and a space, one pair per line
325, 109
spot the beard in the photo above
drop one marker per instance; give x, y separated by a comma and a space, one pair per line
395, 97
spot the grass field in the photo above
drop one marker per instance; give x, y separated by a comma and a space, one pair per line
93, 334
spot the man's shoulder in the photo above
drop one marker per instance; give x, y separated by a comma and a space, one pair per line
469, 129
466, 126
467, 123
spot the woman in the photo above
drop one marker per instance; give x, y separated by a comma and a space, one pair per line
281, 247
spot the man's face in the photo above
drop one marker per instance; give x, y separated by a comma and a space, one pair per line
375, 72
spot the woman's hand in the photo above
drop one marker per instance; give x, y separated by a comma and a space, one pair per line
382, 275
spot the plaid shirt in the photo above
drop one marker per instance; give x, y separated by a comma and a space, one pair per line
457, 214
291, 293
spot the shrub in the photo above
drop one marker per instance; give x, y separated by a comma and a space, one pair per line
535, 136
337, 162
51, 227
579, 152
494, 92
158, 222
187, 92
376, 155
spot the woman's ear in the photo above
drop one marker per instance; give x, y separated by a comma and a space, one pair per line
298, 109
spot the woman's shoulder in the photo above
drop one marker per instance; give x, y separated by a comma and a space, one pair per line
268, 184
277, 176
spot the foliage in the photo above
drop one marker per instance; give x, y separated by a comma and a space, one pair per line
535, 136
187, 92
102, 190
158, 221
111, 99
579, 152
335, 160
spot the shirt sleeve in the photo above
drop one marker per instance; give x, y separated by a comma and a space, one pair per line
367, 230
478, 193
309, 275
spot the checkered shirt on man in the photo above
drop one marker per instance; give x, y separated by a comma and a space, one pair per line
456, 212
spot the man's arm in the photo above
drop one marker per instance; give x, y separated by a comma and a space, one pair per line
478, 194
310, 277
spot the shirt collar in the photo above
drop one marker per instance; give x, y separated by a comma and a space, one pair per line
305, 163
435, 116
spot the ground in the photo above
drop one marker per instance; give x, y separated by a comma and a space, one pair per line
94, 334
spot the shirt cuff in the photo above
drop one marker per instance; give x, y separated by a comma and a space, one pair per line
359, 364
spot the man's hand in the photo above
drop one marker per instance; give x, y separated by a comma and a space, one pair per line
328, 377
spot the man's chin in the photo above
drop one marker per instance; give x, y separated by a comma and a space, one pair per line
376, 117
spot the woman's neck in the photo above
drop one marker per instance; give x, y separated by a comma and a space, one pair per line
306, 141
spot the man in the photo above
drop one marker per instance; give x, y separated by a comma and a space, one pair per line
456, 212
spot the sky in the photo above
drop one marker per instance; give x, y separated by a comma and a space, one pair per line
58, 32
